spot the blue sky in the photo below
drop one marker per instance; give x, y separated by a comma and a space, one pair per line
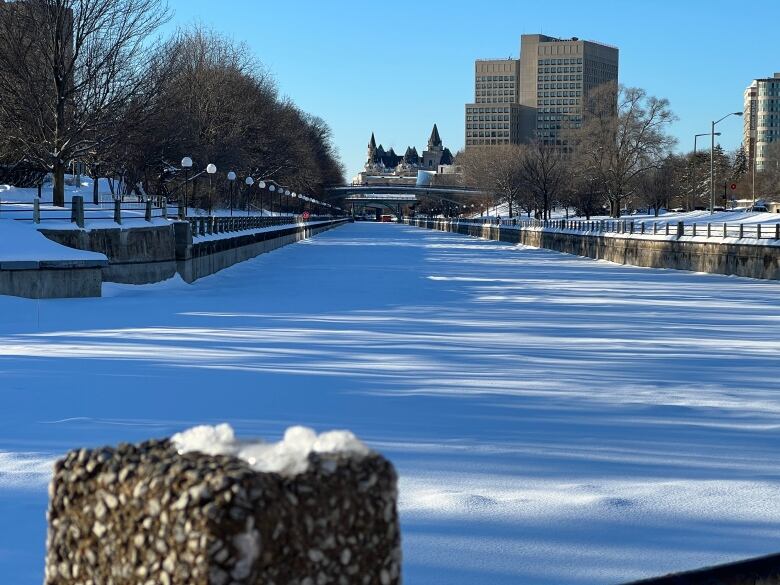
396, 68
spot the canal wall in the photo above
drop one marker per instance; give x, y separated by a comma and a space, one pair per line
145, 254
753, 259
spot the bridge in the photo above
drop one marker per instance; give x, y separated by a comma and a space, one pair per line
395, 197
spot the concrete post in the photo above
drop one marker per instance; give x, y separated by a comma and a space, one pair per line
741, 230
777, 231
202, 226
631, 227
37, 210
195, 518
694, 229
725, 230
148, 210
667, 228
655, 228
642, 227
758, 231
118, 211
77, 210
165, 207
709, 230
680, 229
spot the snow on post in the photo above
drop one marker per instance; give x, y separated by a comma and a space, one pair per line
204, 508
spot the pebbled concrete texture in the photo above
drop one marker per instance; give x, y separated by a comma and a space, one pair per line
139, 514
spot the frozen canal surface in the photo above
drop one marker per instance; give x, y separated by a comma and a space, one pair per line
554, 419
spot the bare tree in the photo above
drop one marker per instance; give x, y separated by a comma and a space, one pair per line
623, 136
68, 68
658, 186
544, 173
497, 169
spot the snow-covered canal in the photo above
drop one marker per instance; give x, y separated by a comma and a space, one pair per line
554, 419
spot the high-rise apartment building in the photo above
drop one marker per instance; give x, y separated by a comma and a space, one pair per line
538, 95
761, 119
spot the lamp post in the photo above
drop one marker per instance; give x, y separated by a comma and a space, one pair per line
211, 168
712, 158
249, 182
231, 176
694, 165
287, 193
271, 188
186, 164
261, 186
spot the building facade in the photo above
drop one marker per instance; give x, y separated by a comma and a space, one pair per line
386, 167
539, 94
761, 119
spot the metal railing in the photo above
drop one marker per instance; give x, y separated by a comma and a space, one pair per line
769, 231
206, 225
75, 211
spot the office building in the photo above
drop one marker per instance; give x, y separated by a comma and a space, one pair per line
538, 95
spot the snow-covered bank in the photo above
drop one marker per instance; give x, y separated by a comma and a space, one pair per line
554, 420
19, 242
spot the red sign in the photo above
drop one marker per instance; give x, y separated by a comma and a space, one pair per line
305, 215
733, 186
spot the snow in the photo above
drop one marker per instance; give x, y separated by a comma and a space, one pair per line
701, 217
19, 242
290, 456
554, 419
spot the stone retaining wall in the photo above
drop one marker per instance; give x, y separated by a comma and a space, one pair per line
209, 256
146, 515
146, 254
751, 260
51, 279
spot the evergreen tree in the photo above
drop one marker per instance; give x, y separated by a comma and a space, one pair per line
740, 166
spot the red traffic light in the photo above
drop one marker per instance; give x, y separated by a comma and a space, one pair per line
733, 186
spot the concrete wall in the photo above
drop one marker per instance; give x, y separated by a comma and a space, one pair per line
142, 255
754, 261
207, 257
137, 255
56, 279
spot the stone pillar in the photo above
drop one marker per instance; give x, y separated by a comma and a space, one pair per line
37, 210
680, 229
148, 210
117, 211
77, 210
165, 207
138, 514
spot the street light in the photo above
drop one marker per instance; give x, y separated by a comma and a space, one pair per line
186, 164
249, 182
231, 176
712, 159
261, 186
211, 168
694, 165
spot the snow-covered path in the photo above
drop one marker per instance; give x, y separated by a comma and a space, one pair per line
554, 419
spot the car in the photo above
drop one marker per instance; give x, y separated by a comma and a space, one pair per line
387, 218
758, 208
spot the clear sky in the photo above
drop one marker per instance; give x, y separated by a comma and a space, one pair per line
396, 68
